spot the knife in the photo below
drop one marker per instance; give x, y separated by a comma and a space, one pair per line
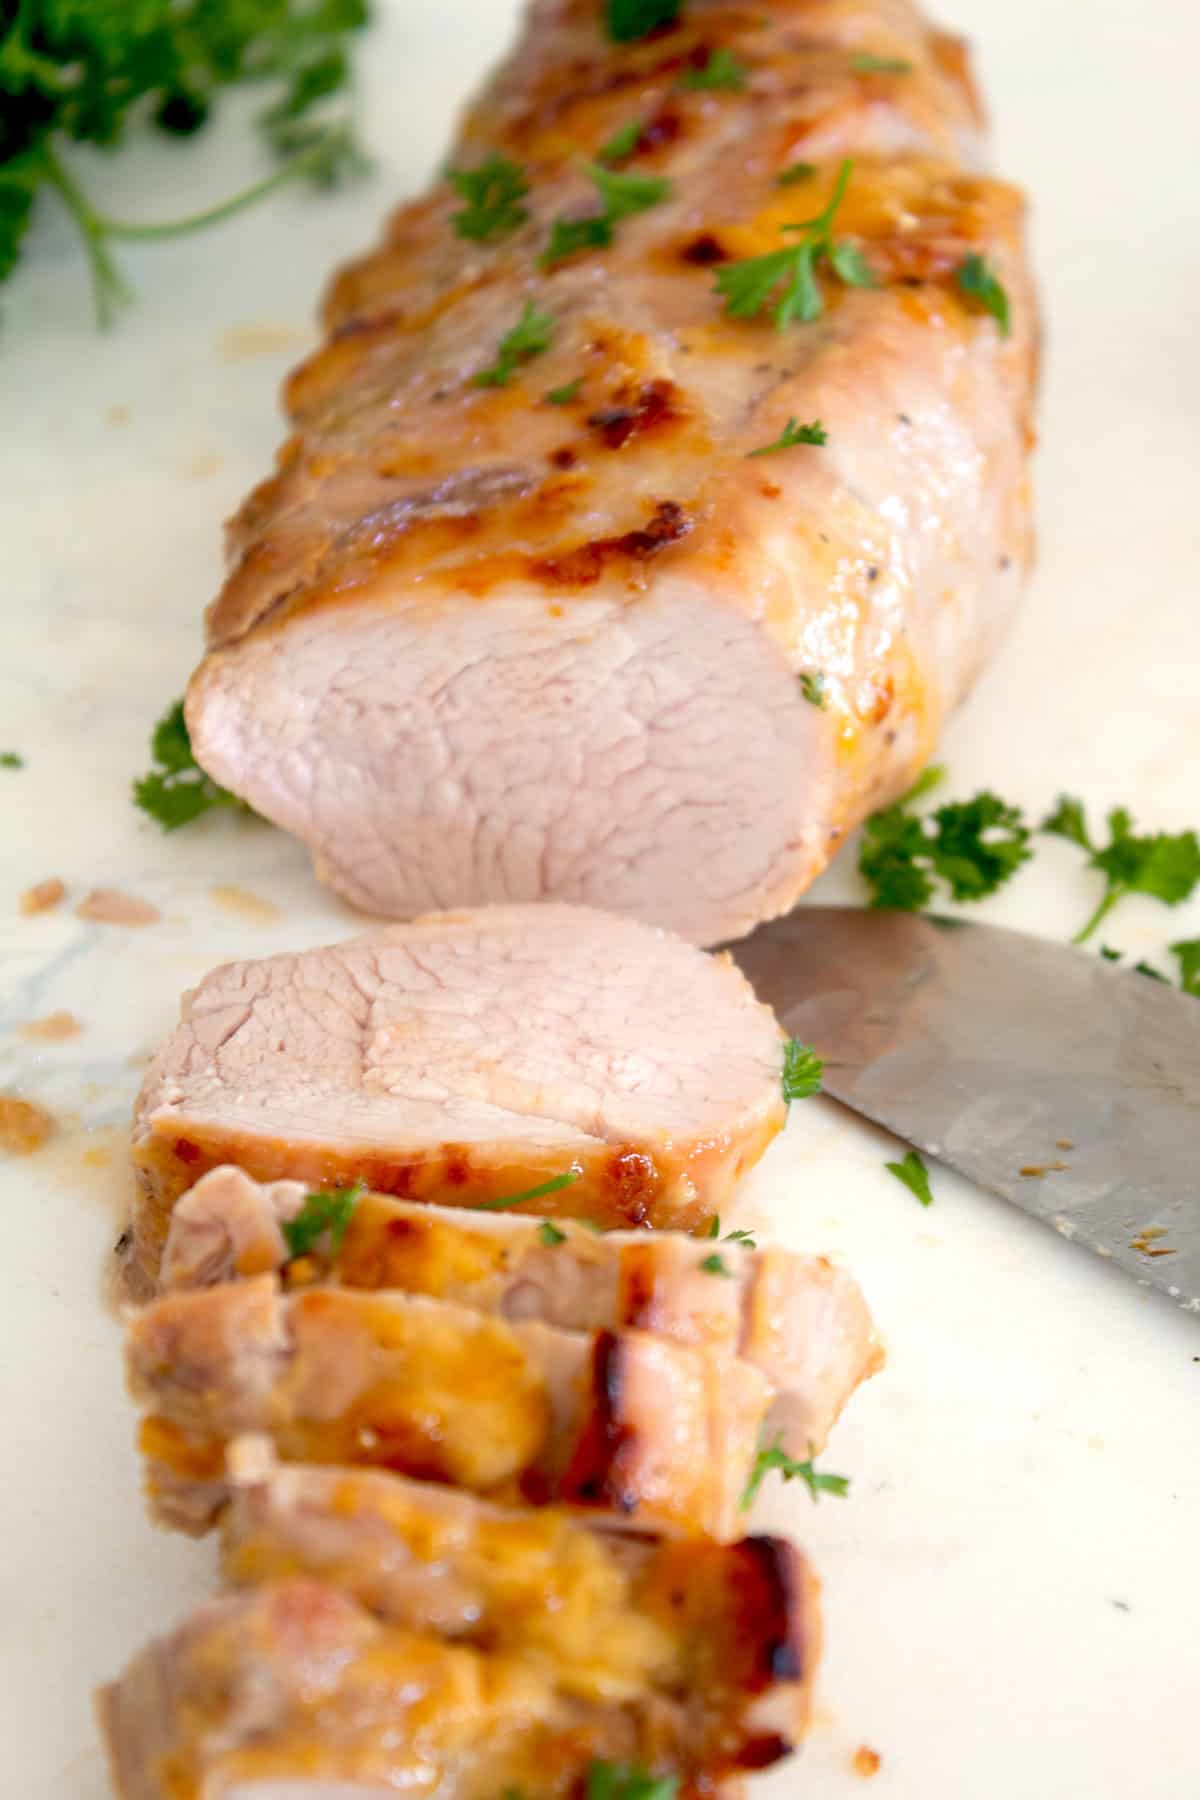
1037, 1071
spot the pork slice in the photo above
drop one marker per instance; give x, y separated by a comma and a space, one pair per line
645, 1431
465, 1058
293, 1692
800, 1319
726, 1635
565, 635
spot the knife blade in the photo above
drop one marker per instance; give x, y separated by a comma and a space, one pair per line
1043, 1074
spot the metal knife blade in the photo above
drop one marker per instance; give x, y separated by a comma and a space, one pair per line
1043, 1074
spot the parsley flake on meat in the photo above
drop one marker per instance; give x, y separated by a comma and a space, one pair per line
178, 790
563, 396
621, 144
756, 282
530, 336
626, 1781
1162, 864
794, 433
493, 192
721, 69
802, 1071
621, 195
628, 20
812, 686
716, 1265
915, 1176
773, 1456
977, 281
797, 171
549, 1234
534, 1193
322, 1212
865, 64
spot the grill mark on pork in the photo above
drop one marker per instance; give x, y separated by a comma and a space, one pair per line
653, 406
587, 563
595, 1476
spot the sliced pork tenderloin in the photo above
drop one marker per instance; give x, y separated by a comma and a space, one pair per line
725, 1635
546, 626
800, 1319
293, 1692
650, 1433
465, 1058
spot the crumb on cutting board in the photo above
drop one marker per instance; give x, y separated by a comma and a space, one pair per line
43, 896
246, 905
242, 342
53, 1028
109, 906
24, 1126
865, 1761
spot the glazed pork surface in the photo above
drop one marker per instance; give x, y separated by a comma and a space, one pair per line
650, 1433
800, 1319
293, 1692
465, 1058
527, 619
725, 1635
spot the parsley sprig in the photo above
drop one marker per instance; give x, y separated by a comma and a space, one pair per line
323, 1212
971, 846
81, 73
980, 284
493, 192
794, 433
802, 1071
177, 790
786, 280
915, 1176
773, 1456
1162, 864
530, 336
621, 195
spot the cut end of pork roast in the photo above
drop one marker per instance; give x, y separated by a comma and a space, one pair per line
294, 1692
800, 1319
642, 1431
465, 1058
723, 1638
546, 625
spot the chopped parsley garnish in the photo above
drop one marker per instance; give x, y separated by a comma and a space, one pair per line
563, 396
880, 65
797, 171
972, 846
178, 790
1163, 864
915, 1176
802, 1071
755, 282
626, 1781
794, 433
86, 73
812, 686
1187, 955
621, 144
11, 759
550, 1235
714, 1226
628, 20
716, 1265
773, 1456
324, 1212
721, 69
534, 1193
978, 282
493, 192
530, 335
745, 1238
621, 195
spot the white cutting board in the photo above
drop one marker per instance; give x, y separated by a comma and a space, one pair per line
1011, 1588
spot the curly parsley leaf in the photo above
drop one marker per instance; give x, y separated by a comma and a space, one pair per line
1187, 955
621, 144
493, 192
720, 69
716, 1265
794, 433
628, 20
323, 1212
972, 846
979, 283
177, 790
773, 1456
82, 73
1163, 864
556, 1182
787, 279
915, 1176
530, 336
812, 686
550, 1235
621, 195
802, 1071
626, 1781
563, 396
